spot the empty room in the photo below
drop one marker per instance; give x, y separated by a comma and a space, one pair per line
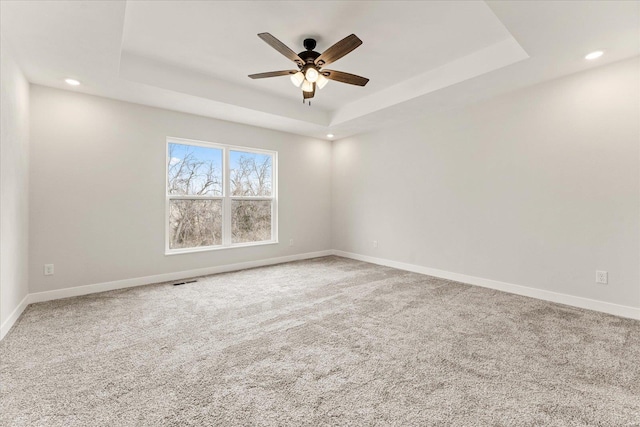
320, 213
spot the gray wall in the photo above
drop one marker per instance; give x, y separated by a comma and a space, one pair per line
98, 181
14, 184
538, 188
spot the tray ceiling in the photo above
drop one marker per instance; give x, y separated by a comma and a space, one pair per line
421, 57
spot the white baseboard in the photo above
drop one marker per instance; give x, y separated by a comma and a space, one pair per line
610, 308
166, 277
13, 317
147, 280
605, 307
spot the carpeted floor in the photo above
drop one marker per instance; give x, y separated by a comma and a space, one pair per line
328, 341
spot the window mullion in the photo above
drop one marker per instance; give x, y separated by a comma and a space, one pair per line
190, 197
255, 198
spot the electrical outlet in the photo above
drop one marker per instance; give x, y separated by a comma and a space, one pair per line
375, 243
602, 277
48, 269
290, 242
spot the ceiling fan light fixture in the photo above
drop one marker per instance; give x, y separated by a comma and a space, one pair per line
322, 81
311, 74
297, 78
307, 86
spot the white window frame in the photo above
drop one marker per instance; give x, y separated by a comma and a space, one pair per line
226, 197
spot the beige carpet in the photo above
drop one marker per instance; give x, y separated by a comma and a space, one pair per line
328, 341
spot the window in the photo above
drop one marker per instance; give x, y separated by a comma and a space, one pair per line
219, 196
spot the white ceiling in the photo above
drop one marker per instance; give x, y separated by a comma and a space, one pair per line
421, 57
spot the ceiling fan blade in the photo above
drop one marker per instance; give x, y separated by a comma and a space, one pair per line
343, 77
338, 50
272, 74
309, 95
281, 47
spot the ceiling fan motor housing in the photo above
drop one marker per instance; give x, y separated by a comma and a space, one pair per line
308, 56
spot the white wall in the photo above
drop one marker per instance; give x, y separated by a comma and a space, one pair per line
14, 185
98, 181
538, 188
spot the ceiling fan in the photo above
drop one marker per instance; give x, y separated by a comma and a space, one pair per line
310, 73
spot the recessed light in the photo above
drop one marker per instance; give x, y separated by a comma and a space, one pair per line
594, 55
72, 82
330, 135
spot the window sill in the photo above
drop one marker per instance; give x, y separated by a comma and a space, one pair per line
218, 248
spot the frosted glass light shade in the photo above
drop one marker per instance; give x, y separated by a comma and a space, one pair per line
322, 81
297, 78
311, 74
307, 86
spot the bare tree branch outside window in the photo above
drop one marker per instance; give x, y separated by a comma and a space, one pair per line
195, 188
251, 176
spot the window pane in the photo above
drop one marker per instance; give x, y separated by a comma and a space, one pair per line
194, 170
250, 221
195, 223
250, 174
